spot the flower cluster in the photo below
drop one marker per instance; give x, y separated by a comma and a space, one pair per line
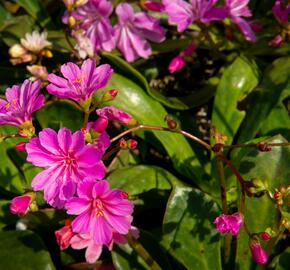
73, 171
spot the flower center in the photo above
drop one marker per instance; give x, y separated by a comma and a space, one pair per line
98, 208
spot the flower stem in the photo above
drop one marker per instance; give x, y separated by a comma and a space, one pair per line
86, 119
254, 145
157, 128
142, 252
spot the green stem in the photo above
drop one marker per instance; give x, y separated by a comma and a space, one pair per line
157, 128
142, 252
254, 145
86, 119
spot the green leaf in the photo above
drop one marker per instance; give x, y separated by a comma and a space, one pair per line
275, 82
134, 100
60, 114
4, 15
138, 179
272, 168
36, 11
6, 218
23, 250
237, 81
189, 234
125, 258
284, 259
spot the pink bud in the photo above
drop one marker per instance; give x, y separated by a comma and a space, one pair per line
20, 205
177, 63
113, 92
265, 236
123, 144
114, 114
153, 6
132, 144
100, 124
189, 50
64, 235
229, 223
277, 41
258, 253
20, 147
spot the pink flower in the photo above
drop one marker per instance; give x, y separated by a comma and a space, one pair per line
281, 12
64, 235
93, 18
183, 14
114, 114
100, 211
79, 84
66, 160
20, 205
259, 254
177, 63
21, 102
229, 223
237, 10
133, 31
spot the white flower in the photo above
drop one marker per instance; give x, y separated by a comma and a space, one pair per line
35, 42
84, 45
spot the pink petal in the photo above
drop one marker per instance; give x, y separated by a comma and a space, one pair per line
100, 188
48, 140
120, 224
64, 139
79, 242
76, 206
81, 223
93, 252
70, 71
102, 232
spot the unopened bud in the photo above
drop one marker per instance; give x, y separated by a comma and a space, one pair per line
39, 72
277, 195
109, 95
26, 130
81, 2
171, 123
20, 147
100, 124
132, 144
218, 147
123, 144
47, 54
265, 236
264, 147
17, 51
258, 253
153, 6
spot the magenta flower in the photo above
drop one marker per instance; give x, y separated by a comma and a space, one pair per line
67, 160
100, 211
21, 102
237, 10
133, 31
114, 114
153, 6
94, 20
229, 223
177, 63
64, 235
259, 254
183, 14
79, 84
281, 13
20, 205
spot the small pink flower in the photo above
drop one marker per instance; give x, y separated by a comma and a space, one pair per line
66, 160
21, 102
259, 254
64, 236
229, 223
100, 211
133, 30
238, 9
20, 205
153, 6
79, 84
183, 14
114, 114
177, 63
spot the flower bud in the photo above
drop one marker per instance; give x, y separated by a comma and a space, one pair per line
153, 6
47, 54
123, 144
258, 253
71, 21
64, 235
20, 147
109, 95
177, 63
264, 147
20, 205
256, 26
189, 50
26, 130
218, 148
264, 236
171, 123
277, 195
132, 144
229, 223
81, 2
17, 51
277, 41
